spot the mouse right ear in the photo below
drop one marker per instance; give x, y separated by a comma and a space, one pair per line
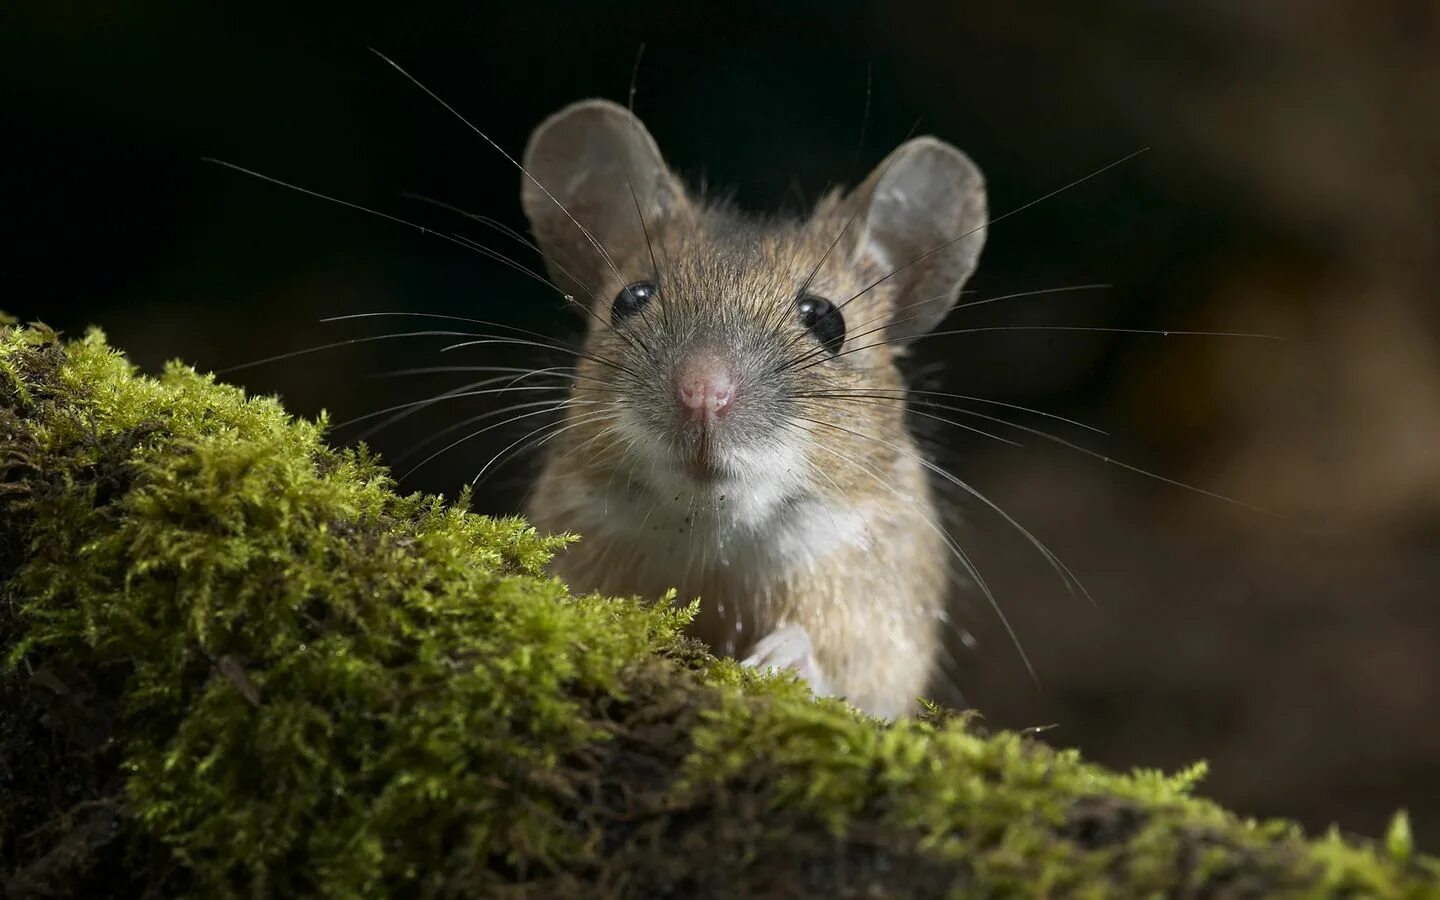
582, 165
924, 220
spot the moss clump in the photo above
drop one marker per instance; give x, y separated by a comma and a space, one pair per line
233, 661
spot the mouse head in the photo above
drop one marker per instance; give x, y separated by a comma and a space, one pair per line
735, 356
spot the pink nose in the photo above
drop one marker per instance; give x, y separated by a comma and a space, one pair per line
704, 387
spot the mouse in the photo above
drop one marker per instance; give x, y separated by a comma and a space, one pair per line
736, 425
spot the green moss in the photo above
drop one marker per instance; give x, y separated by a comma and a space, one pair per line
237, 662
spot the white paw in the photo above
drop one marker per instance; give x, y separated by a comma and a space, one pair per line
788, 649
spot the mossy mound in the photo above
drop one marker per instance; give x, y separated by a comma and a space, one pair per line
233, 661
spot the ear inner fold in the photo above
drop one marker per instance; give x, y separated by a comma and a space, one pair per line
924, 227
594, 163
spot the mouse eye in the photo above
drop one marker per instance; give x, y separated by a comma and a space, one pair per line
820, 317
631, 299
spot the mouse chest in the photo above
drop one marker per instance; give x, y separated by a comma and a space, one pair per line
748, 579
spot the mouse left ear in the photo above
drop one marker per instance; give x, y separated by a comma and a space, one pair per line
593, 164
924, 221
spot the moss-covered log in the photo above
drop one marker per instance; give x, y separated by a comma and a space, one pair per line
234, 661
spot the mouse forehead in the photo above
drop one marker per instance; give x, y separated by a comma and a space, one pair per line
733, 264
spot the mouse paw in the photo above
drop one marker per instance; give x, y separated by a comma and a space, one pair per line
788, 649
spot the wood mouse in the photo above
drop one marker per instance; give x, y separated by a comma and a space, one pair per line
736, 426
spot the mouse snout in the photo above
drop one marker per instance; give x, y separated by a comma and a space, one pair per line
704, 386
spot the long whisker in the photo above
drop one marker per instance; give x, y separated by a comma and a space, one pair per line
346, 343
1067, 577
810, 278
902, 396
971, 304
807, 441
569, 373
501, 150
634, 124
594, 242
882, 402
445, 317
555, 406
474, 434
1153, 332
544, 341
993, 221
485, 220
505, 260
491, 340
1056, 439
960, 555
457, 240
505, 230
443, 370
1120, 463
553, 432
887, 319
456, 394
889, 322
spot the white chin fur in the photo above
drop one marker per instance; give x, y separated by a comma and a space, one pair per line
754, 483
764, 514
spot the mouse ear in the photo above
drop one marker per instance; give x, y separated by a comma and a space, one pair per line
583, 164
925, 223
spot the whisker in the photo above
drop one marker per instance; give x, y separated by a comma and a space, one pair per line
369, 432
881, 402
960, 555
1047, 436
507, 231
994, 221
634, 124
336, 344
488, 340
474, 434
887, 318
573, 423
903, 396
569, 373
603, 433
1124, 465
457, 240
543, 342
971, 304
1154, 332
448, 318
557, 371
456, 394
501, 150
1067, 577
505, 260
557, 405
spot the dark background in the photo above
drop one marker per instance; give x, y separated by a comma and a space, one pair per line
1290, 188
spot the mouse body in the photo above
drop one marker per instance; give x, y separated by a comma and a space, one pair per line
736, 426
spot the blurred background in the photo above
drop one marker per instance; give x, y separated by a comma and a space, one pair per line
1290, 188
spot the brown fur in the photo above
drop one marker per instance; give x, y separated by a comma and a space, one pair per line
850, 546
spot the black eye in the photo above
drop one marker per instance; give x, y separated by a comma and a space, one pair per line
632, 299
823, 320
